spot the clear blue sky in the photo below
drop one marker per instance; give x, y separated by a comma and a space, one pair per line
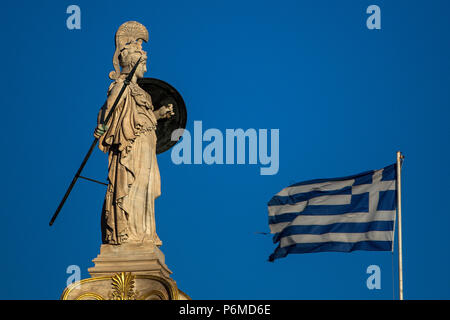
345, 99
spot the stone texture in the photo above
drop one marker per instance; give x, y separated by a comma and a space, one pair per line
130, 257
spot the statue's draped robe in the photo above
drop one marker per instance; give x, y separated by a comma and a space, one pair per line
134, 180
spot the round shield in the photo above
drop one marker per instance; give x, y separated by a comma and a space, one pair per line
163, 94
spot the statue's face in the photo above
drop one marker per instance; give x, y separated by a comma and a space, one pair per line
141, 70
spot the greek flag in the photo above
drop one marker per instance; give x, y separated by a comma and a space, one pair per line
338, 214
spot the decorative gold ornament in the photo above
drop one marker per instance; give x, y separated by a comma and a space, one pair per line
123, 286
90, 296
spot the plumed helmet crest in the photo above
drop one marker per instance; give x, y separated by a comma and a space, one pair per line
130, 33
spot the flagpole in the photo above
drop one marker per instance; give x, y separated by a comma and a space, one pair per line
400, 158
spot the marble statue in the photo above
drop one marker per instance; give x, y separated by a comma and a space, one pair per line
130, 264
129, 138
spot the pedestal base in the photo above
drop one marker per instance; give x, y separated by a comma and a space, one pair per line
125, 272
145, 258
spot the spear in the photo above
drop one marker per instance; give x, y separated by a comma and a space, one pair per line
126, 82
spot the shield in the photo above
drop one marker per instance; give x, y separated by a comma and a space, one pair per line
163, 94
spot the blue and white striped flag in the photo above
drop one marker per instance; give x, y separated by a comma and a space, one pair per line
338, 214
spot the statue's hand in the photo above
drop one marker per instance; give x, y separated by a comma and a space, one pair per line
100, 130
166, 112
